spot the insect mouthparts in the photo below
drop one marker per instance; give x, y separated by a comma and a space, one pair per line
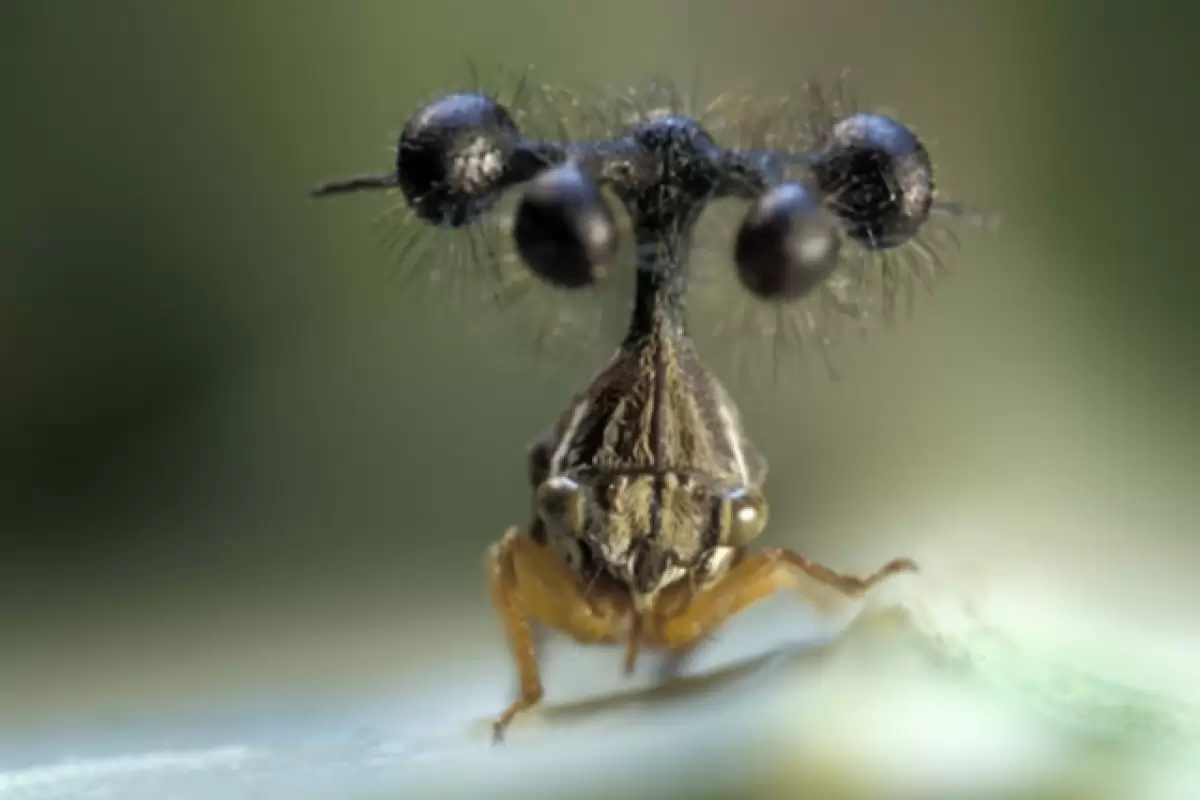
647, 565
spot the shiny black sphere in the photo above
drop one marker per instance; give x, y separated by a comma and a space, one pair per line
877, 177
564, 231
452, 157
787, 244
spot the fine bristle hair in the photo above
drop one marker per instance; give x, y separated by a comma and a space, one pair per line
476, 267
476, 270
865, 293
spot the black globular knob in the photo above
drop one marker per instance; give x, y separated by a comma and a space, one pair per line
452, 157
877, 178
787, 244
564, 230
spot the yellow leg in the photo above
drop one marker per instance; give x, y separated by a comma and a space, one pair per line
528, 582
754, 579
634, 644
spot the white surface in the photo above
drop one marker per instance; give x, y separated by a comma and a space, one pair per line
922, 700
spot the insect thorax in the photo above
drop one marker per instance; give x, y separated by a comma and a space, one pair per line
656, 446
655, 408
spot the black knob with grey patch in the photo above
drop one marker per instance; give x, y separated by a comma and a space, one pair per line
877, 177
453, 156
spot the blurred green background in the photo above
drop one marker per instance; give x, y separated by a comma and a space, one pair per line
233, 452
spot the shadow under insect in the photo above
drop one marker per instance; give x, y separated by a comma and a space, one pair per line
647, 494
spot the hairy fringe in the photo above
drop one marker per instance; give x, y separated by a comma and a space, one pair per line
477, 270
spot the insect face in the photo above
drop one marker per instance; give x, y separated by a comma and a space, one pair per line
648, 531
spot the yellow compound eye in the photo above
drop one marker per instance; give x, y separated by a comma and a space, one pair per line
560, 503
747, 516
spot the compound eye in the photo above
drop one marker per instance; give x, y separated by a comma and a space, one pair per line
747, 516
564, 230
877, 177
787, 244
452, 157
560, 503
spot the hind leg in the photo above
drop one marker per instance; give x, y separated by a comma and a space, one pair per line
754, 579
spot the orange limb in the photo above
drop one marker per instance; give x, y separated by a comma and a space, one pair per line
755, 578
528, 582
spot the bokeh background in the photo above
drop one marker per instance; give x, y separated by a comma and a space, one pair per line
235, 454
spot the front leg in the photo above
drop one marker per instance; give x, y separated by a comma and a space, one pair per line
529, 582
756, 578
